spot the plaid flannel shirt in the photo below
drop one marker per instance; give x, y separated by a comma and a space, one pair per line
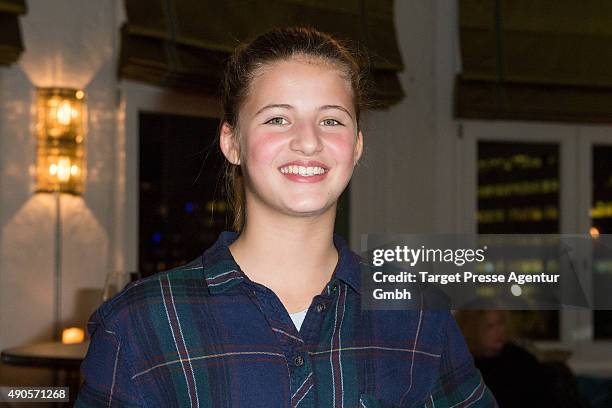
204, 335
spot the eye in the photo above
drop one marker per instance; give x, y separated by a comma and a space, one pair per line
331, 122
277, 121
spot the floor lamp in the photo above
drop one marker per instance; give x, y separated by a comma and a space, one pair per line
60, 159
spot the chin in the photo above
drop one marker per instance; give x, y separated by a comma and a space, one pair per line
308, 207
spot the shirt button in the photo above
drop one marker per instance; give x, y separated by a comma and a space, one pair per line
335, 288
298, 361
320, 307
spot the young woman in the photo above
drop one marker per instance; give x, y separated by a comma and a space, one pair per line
270, 316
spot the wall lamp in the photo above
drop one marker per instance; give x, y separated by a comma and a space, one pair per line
60, 128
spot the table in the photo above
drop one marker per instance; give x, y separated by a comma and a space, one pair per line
53, 355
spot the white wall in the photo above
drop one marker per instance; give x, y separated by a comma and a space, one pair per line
69, 43
406, 182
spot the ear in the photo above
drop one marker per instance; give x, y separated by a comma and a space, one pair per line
229, 144
358, 148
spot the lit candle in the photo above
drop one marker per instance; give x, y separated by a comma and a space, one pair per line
73, 335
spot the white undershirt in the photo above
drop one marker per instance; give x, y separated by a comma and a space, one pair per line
298, 318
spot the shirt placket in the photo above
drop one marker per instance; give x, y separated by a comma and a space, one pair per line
294, 344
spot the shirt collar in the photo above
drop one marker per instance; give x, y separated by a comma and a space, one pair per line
221, 271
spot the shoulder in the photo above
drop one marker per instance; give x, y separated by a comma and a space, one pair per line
424, 297
515, 352
432, 332
137, 297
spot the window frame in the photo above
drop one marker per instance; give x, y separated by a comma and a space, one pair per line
590, 356
135, 98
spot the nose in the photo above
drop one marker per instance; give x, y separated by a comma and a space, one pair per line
306, 140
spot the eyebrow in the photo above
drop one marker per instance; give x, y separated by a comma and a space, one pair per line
287, 106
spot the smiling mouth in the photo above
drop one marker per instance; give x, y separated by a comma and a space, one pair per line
304, 171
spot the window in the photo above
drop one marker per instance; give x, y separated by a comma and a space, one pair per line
601, 223
181, 202
518, 193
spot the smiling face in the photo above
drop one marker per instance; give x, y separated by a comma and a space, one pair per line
298, 139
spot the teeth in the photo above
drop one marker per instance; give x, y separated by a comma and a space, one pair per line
302, 170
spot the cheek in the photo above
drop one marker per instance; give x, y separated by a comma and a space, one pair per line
342, 147
262, 148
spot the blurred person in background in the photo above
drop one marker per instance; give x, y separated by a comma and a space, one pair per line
512, 373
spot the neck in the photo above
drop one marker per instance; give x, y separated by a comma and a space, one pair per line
304, 241
293, 256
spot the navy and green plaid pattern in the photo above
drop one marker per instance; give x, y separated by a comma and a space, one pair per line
204, 335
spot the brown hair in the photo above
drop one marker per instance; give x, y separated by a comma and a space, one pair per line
276, 45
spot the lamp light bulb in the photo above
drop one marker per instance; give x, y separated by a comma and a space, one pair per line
65, 113
63, 169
